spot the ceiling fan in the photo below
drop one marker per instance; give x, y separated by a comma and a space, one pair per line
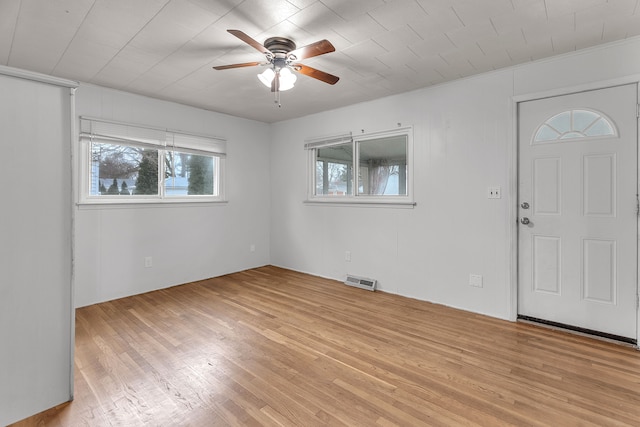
281, 57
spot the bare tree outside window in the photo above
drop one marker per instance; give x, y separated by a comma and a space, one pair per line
115, 165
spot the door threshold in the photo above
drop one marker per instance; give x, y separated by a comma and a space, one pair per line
578, 330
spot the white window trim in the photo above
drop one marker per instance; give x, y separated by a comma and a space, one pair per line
161, 140
356, 199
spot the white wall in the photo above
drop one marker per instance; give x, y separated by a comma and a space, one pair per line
463, 143
187, 243
426, 252
35, 248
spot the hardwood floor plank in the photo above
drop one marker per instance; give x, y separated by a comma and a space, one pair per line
273, 347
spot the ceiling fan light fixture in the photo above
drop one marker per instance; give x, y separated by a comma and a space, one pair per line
266, 77
287, 78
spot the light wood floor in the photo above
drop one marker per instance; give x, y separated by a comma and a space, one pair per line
274, 347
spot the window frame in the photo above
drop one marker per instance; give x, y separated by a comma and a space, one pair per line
355, 198
162, 140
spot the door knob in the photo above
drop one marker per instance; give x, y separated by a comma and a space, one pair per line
524, 220
524, 205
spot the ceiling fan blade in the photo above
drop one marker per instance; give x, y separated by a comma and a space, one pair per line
275, 83
316, 74
314, 49
251, 42
245, 64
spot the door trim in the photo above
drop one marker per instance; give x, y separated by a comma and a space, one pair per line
513, 156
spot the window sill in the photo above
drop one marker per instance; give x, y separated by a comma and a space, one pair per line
155, 203
398, 204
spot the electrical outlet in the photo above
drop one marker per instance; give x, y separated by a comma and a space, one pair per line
494, 193
347, 256
148, 262
252, 248
475, 280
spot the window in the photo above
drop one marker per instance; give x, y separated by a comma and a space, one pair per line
334, 170
383, 166
132, 164
189, 174
574, 124
370, 168
118, 169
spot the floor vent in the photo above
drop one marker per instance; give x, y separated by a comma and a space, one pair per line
361, 282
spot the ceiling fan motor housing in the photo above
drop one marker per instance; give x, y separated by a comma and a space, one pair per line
279, 45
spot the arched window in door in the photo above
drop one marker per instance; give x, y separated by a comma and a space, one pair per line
575, 124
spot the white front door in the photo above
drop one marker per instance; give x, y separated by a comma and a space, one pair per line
578, 233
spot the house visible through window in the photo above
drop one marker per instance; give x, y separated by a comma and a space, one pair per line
368, 168
189, 174
118, 169
132, 164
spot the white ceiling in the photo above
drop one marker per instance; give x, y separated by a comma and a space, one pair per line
166, 48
